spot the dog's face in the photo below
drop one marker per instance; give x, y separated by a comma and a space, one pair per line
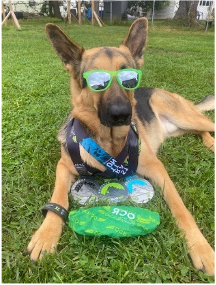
114, 105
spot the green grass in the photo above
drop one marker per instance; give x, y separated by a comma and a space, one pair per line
35, 103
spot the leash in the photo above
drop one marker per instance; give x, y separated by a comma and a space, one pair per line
116, 167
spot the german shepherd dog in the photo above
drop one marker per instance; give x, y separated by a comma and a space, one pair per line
106, 114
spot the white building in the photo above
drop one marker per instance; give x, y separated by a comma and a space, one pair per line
205, 10
167, 12
26, 6
115, 8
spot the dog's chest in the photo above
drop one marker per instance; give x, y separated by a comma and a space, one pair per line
89, 158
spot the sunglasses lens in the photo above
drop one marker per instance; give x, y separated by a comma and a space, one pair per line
129, 79
98, 80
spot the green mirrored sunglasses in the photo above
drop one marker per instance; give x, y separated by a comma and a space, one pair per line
100, 80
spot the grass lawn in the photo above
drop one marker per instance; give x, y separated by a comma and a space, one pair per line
35, 103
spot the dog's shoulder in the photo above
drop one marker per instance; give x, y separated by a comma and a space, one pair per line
143, 108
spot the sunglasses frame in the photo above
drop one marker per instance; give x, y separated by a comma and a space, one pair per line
112, 73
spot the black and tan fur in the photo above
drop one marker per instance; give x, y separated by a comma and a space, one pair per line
158, 114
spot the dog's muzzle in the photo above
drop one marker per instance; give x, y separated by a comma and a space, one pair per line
118, 114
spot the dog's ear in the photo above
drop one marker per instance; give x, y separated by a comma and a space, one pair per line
136, 39
69, 52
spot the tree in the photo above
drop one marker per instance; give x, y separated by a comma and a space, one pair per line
56, 9
187, 10
51, 8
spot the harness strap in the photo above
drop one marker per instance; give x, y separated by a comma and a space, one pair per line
114, 167
76, 135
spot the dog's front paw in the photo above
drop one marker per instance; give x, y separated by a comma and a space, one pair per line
208, 141
46, 237
203, 256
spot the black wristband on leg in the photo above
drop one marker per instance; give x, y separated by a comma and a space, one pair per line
55, 208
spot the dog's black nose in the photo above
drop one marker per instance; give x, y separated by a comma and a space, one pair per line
115, 111
120, 114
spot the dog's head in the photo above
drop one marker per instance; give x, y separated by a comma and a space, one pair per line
114, 105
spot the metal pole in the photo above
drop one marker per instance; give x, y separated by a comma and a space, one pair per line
153, 12
110, 11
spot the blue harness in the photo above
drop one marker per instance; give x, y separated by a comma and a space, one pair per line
124, 165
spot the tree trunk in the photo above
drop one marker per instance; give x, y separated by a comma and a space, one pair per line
51, 9
187, 10
56, 9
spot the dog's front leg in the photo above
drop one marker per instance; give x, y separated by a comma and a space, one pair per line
201, 253
48, 235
